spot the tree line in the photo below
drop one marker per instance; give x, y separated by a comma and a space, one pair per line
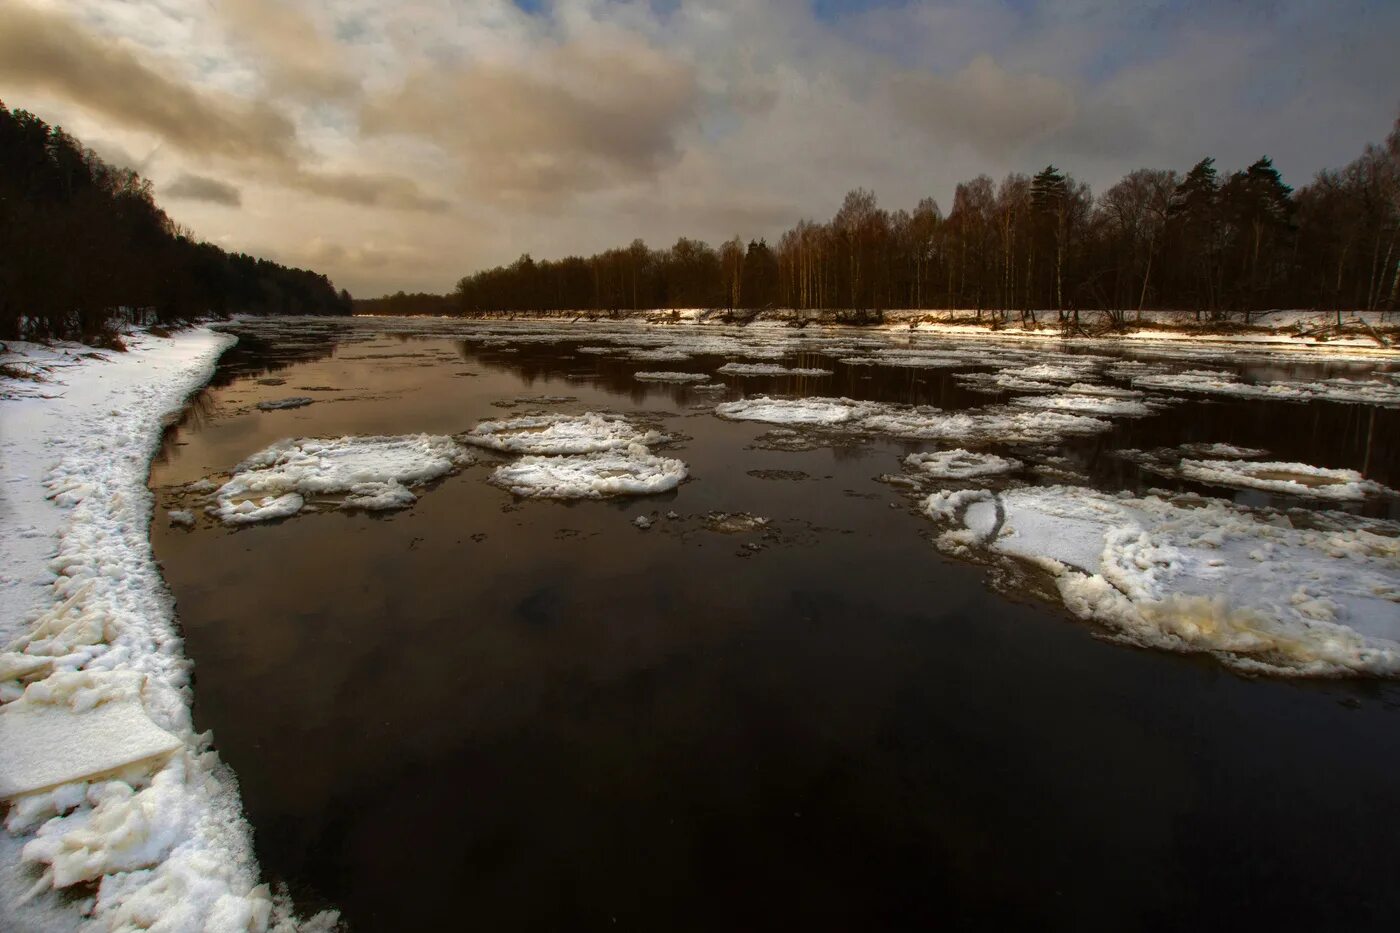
1221, 245
83, 245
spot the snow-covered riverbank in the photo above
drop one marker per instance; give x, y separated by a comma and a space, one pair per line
92, 648
1362, 333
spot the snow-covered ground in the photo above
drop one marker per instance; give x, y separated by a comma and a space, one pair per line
108, 784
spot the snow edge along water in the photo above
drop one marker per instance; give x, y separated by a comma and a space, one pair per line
169, 845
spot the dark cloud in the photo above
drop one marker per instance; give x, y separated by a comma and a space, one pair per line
577, 117
52, 52
298, 59
370, 189
193, 187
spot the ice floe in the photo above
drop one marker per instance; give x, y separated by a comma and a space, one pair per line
1292, 479
987, 425
590, 432
372, 473
769, 369
1213, 382
632, 471
1095, 404
1218, 464
298, 401
1198, 575
818, 411
960, 464
670, 377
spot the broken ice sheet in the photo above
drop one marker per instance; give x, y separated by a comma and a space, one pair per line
372, 473
555, 435
75, 726
634, 471
1198, 575
960, 464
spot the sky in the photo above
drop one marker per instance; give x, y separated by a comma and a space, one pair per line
404, 145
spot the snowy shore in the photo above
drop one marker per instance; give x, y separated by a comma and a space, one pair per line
91, 648
1364, 332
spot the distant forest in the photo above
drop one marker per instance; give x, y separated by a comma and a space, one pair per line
1225, 247
84, 246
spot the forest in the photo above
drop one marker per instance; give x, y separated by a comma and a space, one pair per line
83, 247
1226, 246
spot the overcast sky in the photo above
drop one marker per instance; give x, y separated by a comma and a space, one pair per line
402, 145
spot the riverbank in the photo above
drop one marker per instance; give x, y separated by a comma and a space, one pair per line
1311, 331
146, 829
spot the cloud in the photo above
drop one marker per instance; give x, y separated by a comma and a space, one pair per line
193, 187
369, 189
53, 52
299, 59
575, 117
984, 105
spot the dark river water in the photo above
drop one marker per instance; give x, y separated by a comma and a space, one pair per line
524, 714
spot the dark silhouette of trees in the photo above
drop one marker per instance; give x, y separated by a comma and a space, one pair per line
1228, 246
83, 245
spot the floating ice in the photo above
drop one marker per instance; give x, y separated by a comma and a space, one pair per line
1087, 404
994, 425
768, 369
819, 411
1292, 479
1202, 575
960, 464
1222, 451
299, 401
590, 432
987, 425
630, 472
371, 472
1211, 382
670, 377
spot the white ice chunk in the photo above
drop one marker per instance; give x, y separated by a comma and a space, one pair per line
1291, 479
74, 726
1210, 382
1087, 404
819, 411
1246, 586
769, 369
590, 432
630, 472
961, 464
374, 471
661, 376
